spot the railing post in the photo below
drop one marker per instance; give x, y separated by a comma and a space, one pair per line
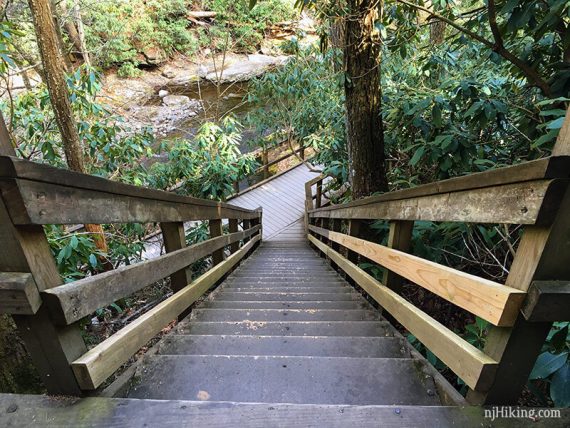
246, 224
233, 224
335, 225
399, 238
236, 186
318, 201
302, 152
174, 239
265, 161
216, 230
52, 348
26, 249
541, 255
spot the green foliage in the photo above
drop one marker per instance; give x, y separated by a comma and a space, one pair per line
246, 24
553, 366
129, 69
209, 165
307, 105
120, 32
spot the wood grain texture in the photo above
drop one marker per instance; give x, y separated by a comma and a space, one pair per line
100, 362
34, 202
69, 303
18, 294
533, 202
489, 300
547, 168
11, 167
474, 367
37, 411
399, 238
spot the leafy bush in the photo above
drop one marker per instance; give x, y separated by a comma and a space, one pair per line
209, 165
121, 31
246, 26
553, 366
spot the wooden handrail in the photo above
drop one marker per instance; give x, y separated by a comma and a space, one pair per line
489, 300
534, 194
48, 312
474, 367
69, 303
39, 194
104, 359
542, 169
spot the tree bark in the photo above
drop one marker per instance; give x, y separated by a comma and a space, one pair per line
365, 133
81, 33
52, 59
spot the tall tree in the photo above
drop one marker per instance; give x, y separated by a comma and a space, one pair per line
365, 134
52, 59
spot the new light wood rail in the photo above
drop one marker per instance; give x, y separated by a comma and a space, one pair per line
534, 194
47, 311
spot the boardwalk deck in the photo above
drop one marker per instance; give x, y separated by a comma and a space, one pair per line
282, 199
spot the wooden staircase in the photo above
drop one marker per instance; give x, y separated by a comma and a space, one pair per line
285, 328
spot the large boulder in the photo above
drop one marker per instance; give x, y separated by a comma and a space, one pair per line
242, 70
175, 100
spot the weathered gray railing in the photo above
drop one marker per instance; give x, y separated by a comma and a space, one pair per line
534, 194
47, 311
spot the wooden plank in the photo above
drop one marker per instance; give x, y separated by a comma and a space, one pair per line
174, 238
233, 226
69, 303
489, 300
541, 255
547, 301
533, 202
37, 411
215, 231
100, 362
11, 167
474, 367
399, 238
34, 202
51, 348
547, 168
18, 294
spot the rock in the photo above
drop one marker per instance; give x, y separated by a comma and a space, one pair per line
162, 93
168, 73
185, 79
154, 56
175, 100
240, 71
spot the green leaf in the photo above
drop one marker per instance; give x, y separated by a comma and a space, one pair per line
417, 155
546, 364
555, 124
559, 339
74, 242
560, 386
93, 261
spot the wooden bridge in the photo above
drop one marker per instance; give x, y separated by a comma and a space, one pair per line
291, 333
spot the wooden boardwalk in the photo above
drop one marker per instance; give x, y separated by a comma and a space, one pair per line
282, 199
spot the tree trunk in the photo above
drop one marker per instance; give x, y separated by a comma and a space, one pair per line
52, 59
365, 133
436, 31
81, 33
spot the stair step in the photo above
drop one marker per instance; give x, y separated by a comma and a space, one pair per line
297, 380
324, 346
284, 314
229, 294
293, 289
286, 304
252, 283
281, 277
288, 328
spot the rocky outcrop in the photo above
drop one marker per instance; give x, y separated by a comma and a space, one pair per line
242, 70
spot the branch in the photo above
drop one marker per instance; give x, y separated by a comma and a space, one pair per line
495, 46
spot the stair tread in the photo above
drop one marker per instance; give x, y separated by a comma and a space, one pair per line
286, 304
287, 328
269, 379
329, 346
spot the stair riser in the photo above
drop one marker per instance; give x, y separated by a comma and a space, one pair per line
284, 289
221, 304
284, 315
231, 295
